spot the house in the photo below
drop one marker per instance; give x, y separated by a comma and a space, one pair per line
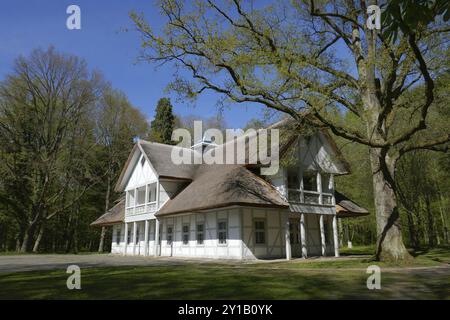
230, 211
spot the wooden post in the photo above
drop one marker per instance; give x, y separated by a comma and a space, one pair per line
157, 194
126, 239
134, 237
335, 236
322, 236
303, 236
146, 239
288, 241
156, 236
319, 187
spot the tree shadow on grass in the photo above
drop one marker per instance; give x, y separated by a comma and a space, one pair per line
205, 282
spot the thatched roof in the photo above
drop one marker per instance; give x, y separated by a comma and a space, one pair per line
346, 208
217, 186
113, 216
160, 157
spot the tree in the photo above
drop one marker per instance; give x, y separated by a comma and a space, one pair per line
162, 126
308, 59
118, 123
43, 120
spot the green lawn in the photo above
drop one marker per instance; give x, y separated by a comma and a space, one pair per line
340, 279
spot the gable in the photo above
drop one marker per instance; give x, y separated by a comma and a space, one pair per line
319, 153
141, 173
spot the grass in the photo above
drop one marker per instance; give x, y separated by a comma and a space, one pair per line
298, 279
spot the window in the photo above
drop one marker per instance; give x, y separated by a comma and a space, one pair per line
260, 232
169, 235
141, 196
129, 236
327, 183
137, 234
310, 181
130, 198
293, 232
118, 234
222, 232
185, 234
326, 231
152, 192
200, 233
293, 178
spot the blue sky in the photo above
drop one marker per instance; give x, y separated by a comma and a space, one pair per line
103, 43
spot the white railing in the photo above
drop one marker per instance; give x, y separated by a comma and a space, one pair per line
141, 209
310, 197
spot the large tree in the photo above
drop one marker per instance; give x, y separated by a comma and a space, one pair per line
118, 123
44, 122
308, 58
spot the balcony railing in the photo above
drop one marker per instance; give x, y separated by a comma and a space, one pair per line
141, 209
309, 197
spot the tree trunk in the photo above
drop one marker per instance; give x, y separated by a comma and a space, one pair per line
390, 245
108, 193
38, 239
341, 233
443, 222
18, 244
430, 223
25, 241
412, 230
102, 239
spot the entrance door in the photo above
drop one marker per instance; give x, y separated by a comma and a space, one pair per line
296, 247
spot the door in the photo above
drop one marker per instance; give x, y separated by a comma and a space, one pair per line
294, 234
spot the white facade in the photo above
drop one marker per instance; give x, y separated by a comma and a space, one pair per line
308, 228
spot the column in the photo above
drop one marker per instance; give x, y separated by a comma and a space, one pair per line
303, 236
126, 239
157, 194
288, 241
146, 239
319, 187
322, 236
134, 237
156, 236
335, 236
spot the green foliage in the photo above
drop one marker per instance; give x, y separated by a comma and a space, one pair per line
405, 15
63, 134
164, 122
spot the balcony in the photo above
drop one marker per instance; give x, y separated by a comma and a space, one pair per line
150, 207
309, 197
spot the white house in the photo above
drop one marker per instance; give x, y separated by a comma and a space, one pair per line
230, 211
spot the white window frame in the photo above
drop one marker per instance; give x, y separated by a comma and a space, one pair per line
149, 193
183, 233
138, 235
118, 235
255, 220
169, 227
222, 230
128, 196
202, 232
129, 237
